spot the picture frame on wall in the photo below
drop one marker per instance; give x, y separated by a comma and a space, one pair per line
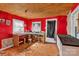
2, 20
8, 22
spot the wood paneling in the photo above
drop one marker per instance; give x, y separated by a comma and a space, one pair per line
36, 10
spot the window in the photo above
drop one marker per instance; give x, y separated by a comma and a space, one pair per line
18, 26
36, 26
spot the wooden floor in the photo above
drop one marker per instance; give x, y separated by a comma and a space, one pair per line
37, 49
70, 50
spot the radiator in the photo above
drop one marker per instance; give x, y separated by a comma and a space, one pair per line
7, 42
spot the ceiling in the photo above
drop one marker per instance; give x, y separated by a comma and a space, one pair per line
37, 10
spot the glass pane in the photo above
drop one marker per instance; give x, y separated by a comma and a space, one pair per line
50, 29
36, 26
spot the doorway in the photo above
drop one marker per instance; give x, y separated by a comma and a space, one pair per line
51, 29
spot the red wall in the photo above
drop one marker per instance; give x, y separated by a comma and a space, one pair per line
61, 27
74, 6
6, 31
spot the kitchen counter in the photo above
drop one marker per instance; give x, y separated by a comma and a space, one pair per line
69, 40
25, 33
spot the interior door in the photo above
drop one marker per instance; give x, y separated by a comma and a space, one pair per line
51, 31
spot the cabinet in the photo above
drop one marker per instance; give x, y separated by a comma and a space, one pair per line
23, 38
18, 40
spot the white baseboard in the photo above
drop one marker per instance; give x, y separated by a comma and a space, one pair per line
6, 47
50, 40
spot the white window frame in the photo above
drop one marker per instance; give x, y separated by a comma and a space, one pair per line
33, 30
14, 20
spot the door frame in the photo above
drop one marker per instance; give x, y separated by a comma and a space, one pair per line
54, 19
